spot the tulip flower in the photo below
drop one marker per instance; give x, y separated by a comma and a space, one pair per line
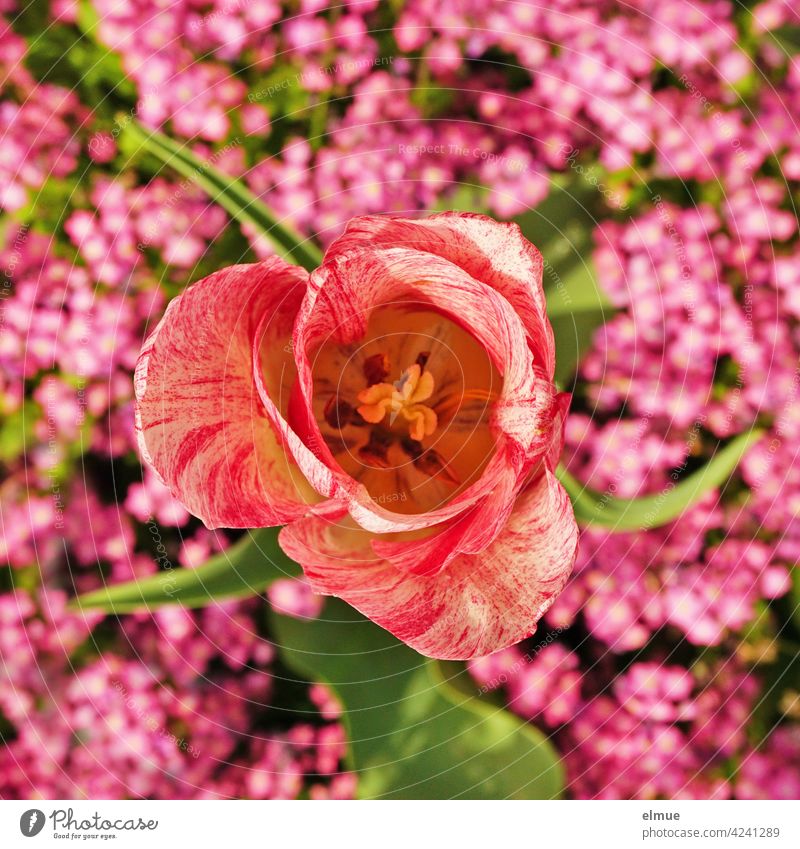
394, 410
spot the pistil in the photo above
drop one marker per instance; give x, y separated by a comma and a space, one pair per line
402, 398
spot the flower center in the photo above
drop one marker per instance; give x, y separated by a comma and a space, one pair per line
406, 410
403, 398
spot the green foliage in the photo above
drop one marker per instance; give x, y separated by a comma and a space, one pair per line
231, 194
465, 197
244, 570
16, 430
561, 228
794, 596
577, 307
652, 511
50, 206
66, 57
788, 38
281, 91
414, 733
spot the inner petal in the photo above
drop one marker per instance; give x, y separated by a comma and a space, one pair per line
406, 410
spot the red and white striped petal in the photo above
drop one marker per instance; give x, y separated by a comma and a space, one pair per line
495, 253
200, 420
470, 532
561, 408
479, 604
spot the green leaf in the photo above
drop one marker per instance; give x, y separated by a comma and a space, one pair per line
794, 595
243, 570
61, 55
652, 511
576, 308
282, 90
413, 732
231, 194
578, 294
465, 197
561, 228
17, 430
788, 38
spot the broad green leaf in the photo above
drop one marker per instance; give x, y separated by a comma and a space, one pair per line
652, 511
413, 732
244, 570
578, 294
561, 228
576, 308
231, 194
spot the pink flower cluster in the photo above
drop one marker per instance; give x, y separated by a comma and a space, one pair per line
37, 142
664, 732
628, 586
53, 319
163, 723
350, 176
173, 220
659, 731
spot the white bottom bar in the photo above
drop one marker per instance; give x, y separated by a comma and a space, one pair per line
401, 825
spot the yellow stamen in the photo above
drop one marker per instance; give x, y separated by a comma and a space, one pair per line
404, 398
376, 400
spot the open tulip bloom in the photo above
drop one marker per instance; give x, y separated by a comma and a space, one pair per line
394, 410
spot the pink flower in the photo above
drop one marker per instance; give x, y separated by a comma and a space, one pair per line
293, 597
102, 147
395, 410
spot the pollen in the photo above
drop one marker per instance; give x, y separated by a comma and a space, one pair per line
406, 410
402, 399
